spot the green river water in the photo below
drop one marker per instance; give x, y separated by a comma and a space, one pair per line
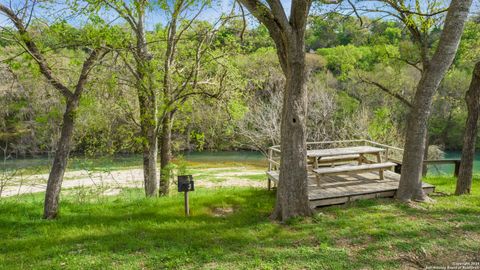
239, 157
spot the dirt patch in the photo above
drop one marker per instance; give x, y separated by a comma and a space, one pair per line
353, 248
416, 205
222, 169
439, 257
113, 181
231, 182
240, 174
222, 211
112, 191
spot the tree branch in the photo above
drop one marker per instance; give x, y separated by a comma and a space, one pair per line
388, 91
95, 55
35, 52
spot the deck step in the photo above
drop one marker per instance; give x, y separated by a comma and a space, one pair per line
353, 168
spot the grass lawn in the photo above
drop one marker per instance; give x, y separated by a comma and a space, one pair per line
230, 229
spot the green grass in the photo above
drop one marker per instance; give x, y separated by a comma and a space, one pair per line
131, 232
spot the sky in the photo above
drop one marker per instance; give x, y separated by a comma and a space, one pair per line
157, 16
153, 18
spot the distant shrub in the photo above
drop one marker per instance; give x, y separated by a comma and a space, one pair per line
341, 60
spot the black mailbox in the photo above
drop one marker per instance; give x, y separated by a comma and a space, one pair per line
185, 183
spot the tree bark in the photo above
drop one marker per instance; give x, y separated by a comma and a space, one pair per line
60, 161
288, 33
148, 104
410, 186
472, 98
166, 154
167, 121
149, 144
62, 153
292, 192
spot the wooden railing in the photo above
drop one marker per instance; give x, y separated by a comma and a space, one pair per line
456, 162
392, 153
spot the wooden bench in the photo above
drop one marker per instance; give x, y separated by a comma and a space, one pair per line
272, 176
354, 168
339, 158
332, 161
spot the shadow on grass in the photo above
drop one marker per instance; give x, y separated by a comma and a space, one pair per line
128, 231
154, 233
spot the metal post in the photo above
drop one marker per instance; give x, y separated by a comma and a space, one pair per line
187, 206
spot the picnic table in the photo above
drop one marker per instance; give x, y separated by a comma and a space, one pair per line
357, 153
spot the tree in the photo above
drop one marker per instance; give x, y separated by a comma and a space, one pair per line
421, 27
72, 95
289, 37
143, 71
472, 98
410, 186
186, 71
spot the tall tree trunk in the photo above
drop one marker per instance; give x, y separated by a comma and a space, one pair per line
472, 98
167, 122
410, 186
166, 154
292, 192
149, 145
148, 104
60, 160
288, 33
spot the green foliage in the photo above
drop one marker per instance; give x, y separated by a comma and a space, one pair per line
469, 50
342, 60
107, 121
237, 109
198, 139
347, 105
381, 126
334, 30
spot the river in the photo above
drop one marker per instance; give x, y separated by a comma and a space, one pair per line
240, 157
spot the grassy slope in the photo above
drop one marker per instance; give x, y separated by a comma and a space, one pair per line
131, 232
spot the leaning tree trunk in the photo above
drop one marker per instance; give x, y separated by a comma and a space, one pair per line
292, 192
410, 186
166, 154
60, 160
472, 98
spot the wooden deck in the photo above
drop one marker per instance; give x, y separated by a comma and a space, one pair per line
339, 189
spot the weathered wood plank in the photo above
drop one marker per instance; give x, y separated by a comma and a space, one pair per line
273, 176
339, 158
344, 151
353, 168
339, 189
357, 184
